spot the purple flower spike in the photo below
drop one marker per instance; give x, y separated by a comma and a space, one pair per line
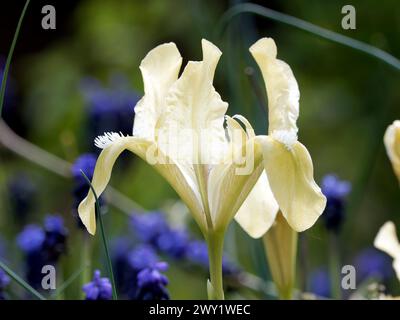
333, 187
336, 192
99, 288
148, 227
31, 238
151, 283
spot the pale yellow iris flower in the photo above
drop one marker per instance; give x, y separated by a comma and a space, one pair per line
387, 241
285, 199
392, 144
287, 185
179, 130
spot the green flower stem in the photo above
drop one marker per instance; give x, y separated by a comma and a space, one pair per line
109, 263
306, 26
215, 243
9, 56
334, 266
21, 282
68, 282
86, 258
104, 239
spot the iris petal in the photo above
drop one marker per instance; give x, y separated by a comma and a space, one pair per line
290, 174
392, 144
387, 241
259, 210
160, 69
167, 168
282, 89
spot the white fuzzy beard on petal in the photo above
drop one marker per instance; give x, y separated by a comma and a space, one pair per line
287, 137
106, 139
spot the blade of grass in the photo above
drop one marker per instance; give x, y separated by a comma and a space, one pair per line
9, 57
21, 282
103, 236
68, 282
306, 26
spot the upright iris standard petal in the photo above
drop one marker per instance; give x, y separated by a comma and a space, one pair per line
290, 174
387, 241
282, 89
194, 108
160, 69
392, 144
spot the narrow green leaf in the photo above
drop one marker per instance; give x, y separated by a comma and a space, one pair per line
21, 282
68, 282
103, 236
9, 57
306, 26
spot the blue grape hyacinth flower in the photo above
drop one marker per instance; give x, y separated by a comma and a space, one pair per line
21, 193
143, 256
373, 263
148, 227
30, 241
173, 243
110, 108
4, 282
336, 191
129, 263
153, 229
151, 283
85, 162
99, 288
41, 246
31, 238
319, 283
55, 237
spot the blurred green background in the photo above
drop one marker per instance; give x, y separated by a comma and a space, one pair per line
347, 101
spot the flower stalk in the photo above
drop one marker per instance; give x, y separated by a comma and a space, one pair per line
215, 243
103, 237
334, 265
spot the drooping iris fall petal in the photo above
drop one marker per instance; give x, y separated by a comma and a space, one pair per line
111, 150
290, 173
